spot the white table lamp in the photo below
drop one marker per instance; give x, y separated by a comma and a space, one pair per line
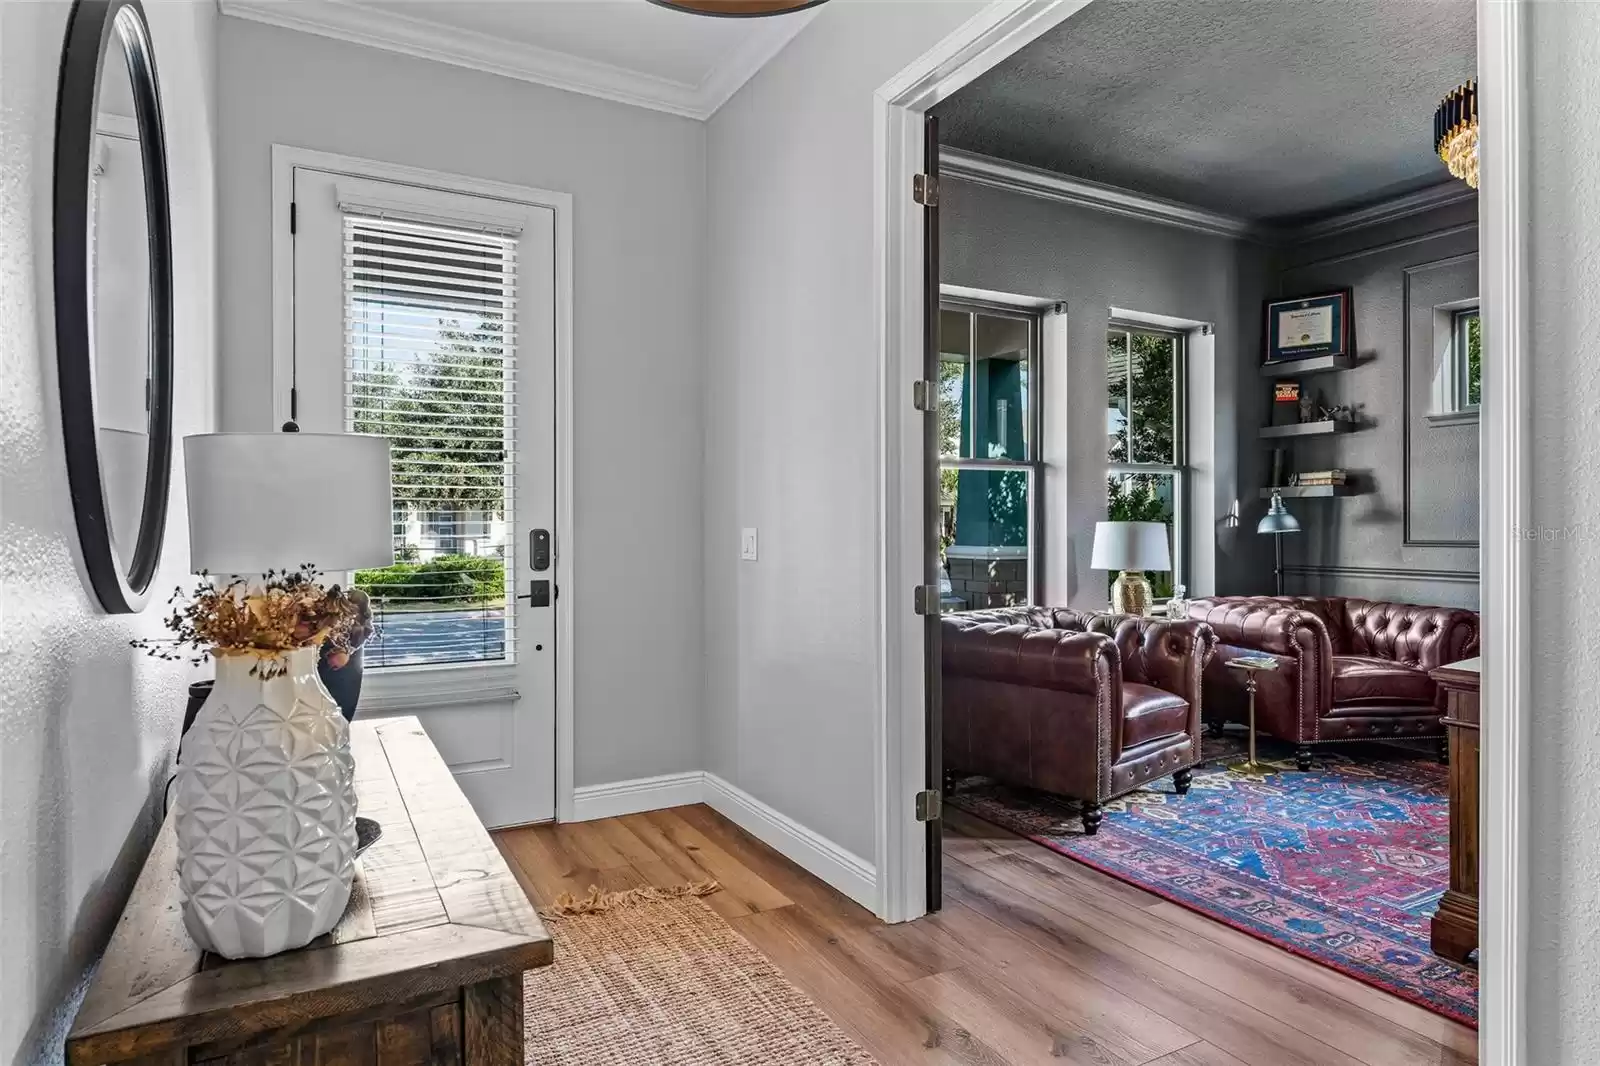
264, 803
276, 501
1132, 548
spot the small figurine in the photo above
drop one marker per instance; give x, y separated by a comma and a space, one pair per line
1339, 412
1308, 407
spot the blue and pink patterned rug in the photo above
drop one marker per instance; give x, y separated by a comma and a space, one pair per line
1343, 865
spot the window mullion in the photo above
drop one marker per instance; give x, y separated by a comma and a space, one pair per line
1127, 386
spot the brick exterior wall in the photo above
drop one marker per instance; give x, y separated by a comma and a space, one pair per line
982, 583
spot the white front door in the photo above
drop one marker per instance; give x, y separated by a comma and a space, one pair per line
428, 317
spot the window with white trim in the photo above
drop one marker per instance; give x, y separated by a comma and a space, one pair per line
1468, 350
988, 455
430, 328
1146, 464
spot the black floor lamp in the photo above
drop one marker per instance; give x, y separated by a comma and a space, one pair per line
1278, 521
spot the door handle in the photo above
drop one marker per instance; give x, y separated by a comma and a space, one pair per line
538, 594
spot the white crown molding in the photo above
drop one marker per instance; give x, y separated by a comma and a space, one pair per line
1414, 203
1031, 181
739, 66
1048, 185
357, 23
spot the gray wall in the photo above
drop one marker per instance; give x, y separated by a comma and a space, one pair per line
794, 642
88, 726
1412, 534
638, 182
1563, 174
1024, 245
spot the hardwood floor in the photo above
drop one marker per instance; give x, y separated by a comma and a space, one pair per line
1034, 959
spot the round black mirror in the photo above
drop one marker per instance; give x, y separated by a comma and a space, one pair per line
113, 293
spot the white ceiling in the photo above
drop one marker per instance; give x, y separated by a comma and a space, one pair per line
632, 51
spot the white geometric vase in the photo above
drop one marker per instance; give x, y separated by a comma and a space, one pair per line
265, 809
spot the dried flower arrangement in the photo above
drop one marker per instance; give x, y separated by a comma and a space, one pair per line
289, 609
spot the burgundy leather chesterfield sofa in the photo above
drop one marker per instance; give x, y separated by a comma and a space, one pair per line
1088, 706
1348, 669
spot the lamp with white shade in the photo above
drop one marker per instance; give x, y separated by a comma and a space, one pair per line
1132, 548
264, 809
274, 501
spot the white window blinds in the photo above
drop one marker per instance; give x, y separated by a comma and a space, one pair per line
430, 328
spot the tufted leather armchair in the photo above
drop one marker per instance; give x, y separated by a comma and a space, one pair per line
1348, 669
1084, 705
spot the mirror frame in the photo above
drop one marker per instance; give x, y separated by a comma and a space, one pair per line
91, 32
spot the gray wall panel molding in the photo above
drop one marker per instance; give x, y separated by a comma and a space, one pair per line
1469, 577
1426, 287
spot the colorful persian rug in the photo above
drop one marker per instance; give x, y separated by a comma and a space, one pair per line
1343, 865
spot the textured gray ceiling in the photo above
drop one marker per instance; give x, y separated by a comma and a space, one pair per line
1271, 110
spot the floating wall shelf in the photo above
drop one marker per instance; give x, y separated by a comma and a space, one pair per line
1304, 491
1306, 429
1293, 368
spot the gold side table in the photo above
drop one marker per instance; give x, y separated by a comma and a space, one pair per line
1250, 667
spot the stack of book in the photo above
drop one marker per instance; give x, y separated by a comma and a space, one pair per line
1320, 477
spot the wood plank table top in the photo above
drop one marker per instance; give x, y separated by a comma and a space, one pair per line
1466, 674
434, 907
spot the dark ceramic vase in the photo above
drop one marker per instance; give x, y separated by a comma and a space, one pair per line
344, 683
197, 696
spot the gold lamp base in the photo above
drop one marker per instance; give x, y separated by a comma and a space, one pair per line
1130, 593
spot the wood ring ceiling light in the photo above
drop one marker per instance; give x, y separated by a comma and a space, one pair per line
738, 8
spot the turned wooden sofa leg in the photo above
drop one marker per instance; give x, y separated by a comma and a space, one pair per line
1182, 779
1302, 757
1092, 816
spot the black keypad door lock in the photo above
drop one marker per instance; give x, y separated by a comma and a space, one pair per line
538, 594
539, 548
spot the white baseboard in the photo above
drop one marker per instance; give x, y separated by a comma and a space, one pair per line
817, 855
640, 794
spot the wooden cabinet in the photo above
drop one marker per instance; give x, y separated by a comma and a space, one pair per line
1455, 924
424, 968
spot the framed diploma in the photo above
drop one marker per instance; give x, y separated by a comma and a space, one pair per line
1306, 326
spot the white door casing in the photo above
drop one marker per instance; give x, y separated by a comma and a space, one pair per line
495, 722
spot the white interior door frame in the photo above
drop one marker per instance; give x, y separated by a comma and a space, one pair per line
900, 106
285, 158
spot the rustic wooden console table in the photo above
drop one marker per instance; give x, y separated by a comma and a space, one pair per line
424, 968
1454, 933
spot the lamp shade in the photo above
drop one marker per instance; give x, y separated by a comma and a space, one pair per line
1130, 546
276, 501
1278, 519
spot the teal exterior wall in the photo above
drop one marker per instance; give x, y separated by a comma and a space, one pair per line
992, 505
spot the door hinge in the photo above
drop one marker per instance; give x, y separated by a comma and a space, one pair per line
925, 190
925, 599
922, 395
294, 213
929, 805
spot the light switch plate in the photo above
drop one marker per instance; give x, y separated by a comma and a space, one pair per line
747, 544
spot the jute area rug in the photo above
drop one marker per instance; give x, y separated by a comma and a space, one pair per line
654, 976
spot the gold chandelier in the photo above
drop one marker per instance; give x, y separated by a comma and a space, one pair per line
1455, 132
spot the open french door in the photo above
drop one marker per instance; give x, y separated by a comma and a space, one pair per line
428, 317
932, 570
